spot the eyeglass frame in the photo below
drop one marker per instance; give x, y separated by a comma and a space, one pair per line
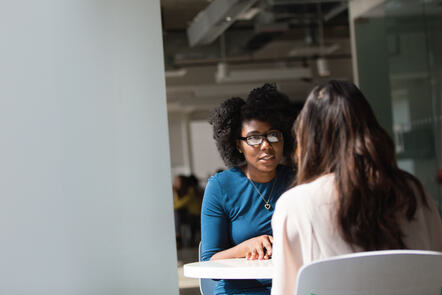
264, 137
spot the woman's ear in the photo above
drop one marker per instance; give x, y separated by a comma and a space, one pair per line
238, 147
297, 155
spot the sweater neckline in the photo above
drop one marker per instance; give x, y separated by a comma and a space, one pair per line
242, 175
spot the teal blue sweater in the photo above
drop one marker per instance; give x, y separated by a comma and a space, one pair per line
233, 212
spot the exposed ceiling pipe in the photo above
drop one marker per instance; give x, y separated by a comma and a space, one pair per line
210, 23
335, 11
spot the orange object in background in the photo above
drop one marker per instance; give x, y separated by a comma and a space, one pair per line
439, 176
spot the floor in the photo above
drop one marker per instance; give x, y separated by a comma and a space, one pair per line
188, 286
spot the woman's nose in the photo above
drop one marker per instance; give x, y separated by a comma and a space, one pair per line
266, 144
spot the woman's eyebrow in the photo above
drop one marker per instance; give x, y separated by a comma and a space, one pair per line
255, 132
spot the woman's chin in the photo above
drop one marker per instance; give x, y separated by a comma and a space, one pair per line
267, 165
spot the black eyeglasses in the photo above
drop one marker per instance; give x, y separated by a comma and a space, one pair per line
257, 139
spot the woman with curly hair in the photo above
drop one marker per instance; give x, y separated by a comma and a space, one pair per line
253, 138
350, 194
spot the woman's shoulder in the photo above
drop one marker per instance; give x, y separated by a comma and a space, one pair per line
220, 186
225, 178
231, 174
314, 192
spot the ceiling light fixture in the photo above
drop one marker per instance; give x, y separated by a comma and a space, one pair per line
224, 75
175, 73
303, 50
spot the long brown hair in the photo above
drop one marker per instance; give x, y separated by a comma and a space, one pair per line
338, 133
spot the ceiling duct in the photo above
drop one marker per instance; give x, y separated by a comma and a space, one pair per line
224, 75
215, 19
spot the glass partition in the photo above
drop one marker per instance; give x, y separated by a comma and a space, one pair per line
399, 51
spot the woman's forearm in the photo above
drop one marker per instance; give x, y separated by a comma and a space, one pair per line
237, 251
255, 248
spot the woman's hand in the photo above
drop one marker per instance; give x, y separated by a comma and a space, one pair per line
254, 248
258, 248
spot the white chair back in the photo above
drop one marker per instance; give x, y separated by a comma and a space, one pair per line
393, 272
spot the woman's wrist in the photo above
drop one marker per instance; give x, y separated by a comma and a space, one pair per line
238, 251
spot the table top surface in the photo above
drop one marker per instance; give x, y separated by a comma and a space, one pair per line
237, 268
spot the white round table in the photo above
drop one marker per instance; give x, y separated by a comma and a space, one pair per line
237, 268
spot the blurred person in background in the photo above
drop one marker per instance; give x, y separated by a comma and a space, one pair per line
194, 208
187, 207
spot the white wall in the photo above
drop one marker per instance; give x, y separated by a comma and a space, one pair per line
85, 192
192, 147
180, 155
205, 156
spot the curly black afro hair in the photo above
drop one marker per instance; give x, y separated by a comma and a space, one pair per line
265, 104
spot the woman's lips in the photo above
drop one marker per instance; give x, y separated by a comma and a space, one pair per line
267, 158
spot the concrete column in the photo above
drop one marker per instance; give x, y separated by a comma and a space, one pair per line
86, 201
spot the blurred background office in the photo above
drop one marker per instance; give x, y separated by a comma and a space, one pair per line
392, 49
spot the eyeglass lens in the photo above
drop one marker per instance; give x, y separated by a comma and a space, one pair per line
257, 139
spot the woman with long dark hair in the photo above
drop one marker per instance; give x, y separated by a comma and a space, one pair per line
350, 194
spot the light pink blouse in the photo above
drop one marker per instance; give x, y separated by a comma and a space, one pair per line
304, 230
